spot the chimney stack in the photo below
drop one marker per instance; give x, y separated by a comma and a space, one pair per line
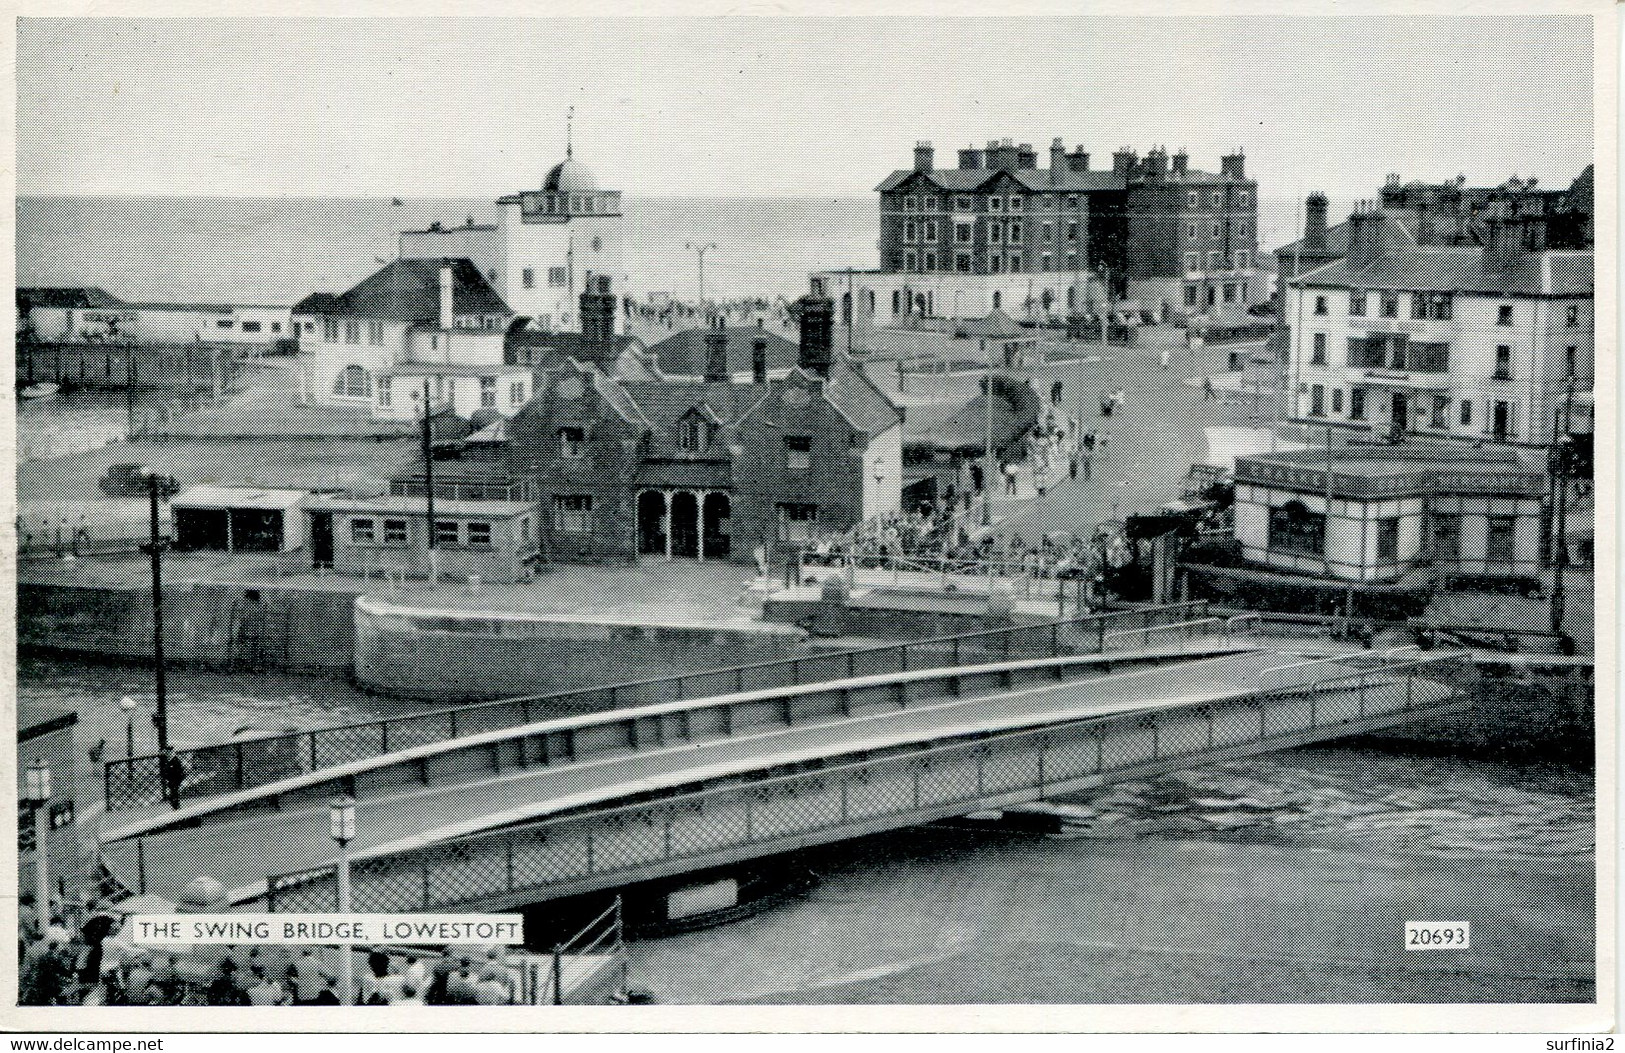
924, 156
597, 310
1365, 235
970, 158
1234, 165
1314, 222
1026, 157
1078, 160
1156, 165
1182, 162
1124, 162
448, 313
817, 315
758, 360
1057, 162
716, 357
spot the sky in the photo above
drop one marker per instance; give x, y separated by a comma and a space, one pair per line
782, 107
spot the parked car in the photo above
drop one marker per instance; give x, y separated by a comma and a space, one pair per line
130, 480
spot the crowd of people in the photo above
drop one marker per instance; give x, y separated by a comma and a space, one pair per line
742, 311
87, 962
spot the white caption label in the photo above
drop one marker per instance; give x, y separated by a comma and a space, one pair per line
1438, 935
326, 928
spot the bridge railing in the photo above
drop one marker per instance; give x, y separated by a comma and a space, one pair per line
243, 764
864, 792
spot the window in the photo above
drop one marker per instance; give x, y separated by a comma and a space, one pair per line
527, 277
1387, 540
994, 233
1193, 262
353, 383
1210, 295
1044, 262
395, 532
798, 452
479, 534
1293, 528
1503, 532
1570, 360
1015, 204
251, 327
911, 204
1357, 403
1047, 232
1072, 202
797, 522
516, 393
1367, 352
1015, 264
1317, 400
930, 232
1216, 199
1193, 232
1357, 302
911, 260
276, 327
363, 531
375, 333
1320, 305
1243, 229
557, 276
386, 392
930, 261
224, 323
1337, 400
1241, 198
1194, 200
1072, 230
1015, 233
1446, 536
1466, 412
330, 330
1230, 292
1213, 265
352, 332
1390, 304
1503, 314
909, 231
572, 443
1571, 315
1429, 357
1398, 353
445, 532
694, 434
572, 513
962, 263
962, 203
1244, 259
1190, 294
1503, 362
488, 392
995, 204
1432, 305
1441, 406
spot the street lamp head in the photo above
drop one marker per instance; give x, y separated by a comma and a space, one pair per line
127, 704
341, 814
38, 782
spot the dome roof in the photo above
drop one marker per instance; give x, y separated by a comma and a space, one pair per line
570, 175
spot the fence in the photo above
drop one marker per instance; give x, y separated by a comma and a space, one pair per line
244, 764
863, 793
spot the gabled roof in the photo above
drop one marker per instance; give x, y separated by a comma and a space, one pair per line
683, 353
855, 397
666, 402
60, 296
995, 324
409, 291
568, 345
1035, 180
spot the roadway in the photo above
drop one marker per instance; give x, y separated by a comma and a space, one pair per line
242, 850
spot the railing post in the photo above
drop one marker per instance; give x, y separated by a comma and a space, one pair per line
956, 650
107, 784
313, 751
508, 844
383, 739
452, 720
851, 664
425, 881
141, 864
524, 709
1314, 708
981, 768
795, 672
558, 974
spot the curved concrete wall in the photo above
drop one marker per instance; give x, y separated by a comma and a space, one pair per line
450, 655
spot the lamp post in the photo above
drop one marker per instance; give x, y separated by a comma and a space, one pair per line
427, 441
155, 548
987, 452
1560, 457
128, 704
37, 788
341, 815
701, 250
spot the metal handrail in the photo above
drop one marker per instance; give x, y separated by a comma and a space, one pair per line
304, 744
697, 794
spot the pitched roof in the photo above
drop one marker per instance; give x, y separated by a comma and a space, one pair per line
683, 353
855, 397
75, 296
1036, 180
409, 291
1460, 269
665, 402
569, 345
995, 323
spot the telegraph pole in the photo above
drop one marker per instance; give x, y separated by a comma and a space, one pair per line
701, 250
155, 547
428, 481
1561, 451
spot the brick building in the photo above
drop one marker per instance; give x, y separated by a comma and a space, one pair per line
706, 466
1000, 233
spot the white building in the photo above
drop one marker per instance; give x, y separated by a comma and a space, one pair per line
415, 322
75, 315
1464, 341
545, 243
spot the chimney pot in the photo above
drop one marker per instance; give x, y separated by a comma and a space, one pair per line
817, 315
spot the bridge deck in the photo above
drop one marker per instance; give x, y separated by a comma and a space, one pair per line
240, 851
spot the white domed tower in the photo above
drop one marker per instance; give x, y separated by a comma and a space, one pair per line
544, 245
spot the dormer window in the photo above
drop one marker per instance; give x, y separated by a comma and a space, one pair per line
572, 443
695, 434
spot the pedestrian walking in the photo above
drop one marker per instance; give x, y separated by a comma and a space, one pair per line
1164, 357
173, 771
1207, 389
1009, 480
1073, 467
1106, 405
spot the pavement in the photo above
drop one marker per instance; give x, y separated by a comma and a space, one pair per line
241, 851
